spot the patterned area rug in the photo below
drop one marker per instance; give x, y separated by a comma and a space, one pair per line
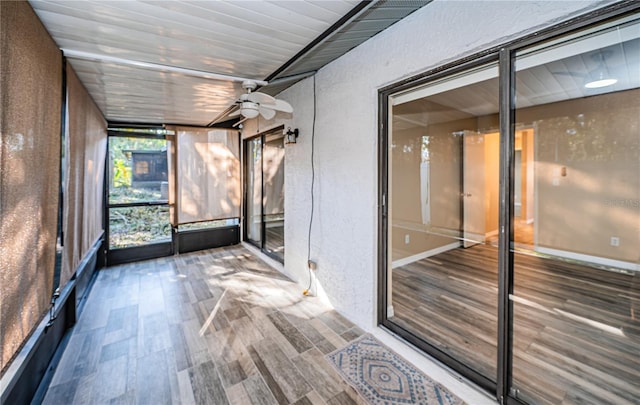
383, 377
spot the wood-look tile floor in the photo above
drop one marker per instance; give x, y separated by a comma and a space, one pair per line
213, 327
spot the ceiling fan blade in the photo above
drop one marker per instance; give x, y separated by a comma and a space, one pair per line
240, 122
260, 98
279, 105
572, 74
234, 113
266, 112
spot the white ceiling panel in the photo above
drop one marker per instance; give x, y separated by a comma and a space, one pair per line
131, 94
239, 38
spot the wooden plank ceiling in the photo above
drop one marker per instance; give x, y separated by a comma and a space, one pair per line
125, 52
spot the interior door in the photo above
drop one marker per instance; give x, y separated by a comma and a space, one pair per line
473, 189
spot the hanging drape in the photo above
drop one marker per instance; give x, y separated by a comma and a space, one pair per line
207, 174
31, 101
84, 160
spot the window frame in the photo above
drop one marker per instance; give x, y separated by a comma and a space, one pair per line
505, 55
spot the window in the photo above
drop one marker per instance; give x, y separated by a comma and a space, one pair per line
510, 219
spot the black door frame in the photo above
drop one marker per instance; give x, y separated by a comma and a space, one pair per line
135, 253
262, 136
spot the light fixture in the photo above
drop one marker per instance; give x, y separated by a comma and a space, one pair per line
601, 80
290, 136
600, 77
249, 109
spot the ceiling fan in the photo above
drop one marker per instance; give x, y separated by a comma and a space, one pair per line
597, 77
253, 103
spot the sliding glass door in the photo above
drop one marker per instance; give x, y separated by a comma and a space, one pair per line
253, 186
576, 240
510, 217
443, 156
264, 193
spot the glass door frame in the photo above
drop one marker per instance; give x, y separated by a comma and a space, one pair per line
245, 187
245, 212
384, 220
505, 55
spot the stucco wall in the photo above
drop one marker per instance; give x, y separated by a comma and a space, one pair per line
344, 235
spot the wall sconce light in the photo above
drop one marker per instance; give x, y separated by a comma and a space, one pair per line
290, 136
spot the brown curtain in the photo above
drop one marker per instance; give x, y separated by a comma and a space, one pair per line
273, 175
208, 174
85, 149
31, 94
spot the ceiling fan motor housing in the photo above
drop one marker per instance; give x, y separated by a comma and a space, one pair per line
249, 109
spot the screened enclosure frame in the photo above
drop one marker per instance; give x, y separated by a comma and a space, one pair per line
148, 250
505, 56
196, 234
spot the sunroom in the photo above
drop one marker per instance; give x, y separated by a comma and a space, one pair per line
187, 188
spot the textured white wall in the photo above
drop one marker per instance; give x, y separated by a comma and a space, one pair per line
344, 236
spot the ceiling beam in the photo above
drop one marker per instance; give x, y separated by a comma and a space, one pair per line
73, 54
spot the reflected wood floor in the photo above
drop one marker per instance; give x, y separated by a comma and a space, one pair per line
211, 327
576, 328
274, 240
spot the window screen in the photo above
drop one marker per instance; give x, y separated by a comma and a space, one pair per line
208, 175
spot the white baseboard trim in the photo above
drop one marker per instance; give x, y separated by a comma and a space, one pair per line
490, 234
603, 261
424, 255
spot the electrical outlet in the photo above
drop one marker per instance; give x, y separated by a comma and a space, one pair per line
407, 239
615, 241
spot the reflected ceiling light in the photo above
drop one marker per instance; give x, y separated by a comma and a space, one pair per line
600, 76
601, 81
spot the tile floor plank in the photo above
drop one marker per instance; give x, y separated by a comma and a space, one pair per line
207, 387
257, 391
213, 327
322, 377
286, 375
290, 332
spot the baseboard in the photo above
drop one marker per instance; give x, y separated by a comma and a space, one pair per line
390, 312
85, 274
602, 261
490, 234
200, 239
424, 255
